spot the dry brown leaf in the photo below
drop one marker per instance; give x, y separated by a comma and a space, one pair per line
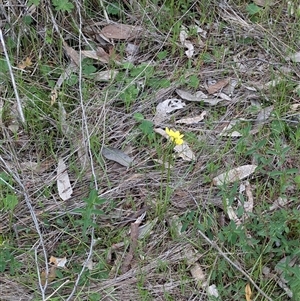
53, 96
51, 275
218, 86
63, 182
120, 31
192, 120
134, 235
58, 262
249, 204
24, 64
248, 292
234, 174
99, 55
73, 54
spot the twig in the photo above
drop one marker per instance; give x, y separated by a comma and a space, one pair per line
85, 132
20, 110
57, 289
214, 245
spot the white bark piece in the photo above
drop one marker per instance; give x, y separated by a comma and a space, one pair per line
63, 182
234, 174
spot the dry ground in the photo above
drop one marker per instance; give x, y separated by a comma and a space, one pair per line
190, 242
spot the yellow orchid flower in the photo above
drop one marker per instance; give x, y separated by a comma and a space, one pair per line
175, 136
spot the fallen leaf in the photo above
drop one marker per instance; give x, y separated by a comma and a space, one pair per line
132, 49
53, 96
58, 262
63, 182
279, 203
249, 204
222, 95
134, 235
294, 57
213, 291
231, 214
192, 120
166, 107
197, 273
73, 54
198, 96
211, 89
186, 43
235, 174
117, 155
90, 265
51, 275
120, 31
264, 114
229, 89
99, 55
105, 76
295, 107
145, 229
225, 132
248, 292
185, 152
24, 64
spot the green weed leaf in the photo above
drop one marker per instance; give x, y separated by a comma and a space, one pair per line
63, 5
138, 117
253, 9
146, 127
10, 202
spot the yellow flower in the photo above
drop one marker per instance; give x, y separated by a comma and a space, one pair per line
175, 136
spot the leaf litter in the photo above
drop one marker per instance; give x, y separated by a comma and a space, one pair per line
115, 185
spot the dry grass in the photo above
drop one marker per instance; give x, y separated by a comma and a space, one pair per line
42, 225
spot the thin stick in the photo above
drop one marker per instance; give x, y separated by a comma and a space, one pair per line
57, 289
20, 110
214, 245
